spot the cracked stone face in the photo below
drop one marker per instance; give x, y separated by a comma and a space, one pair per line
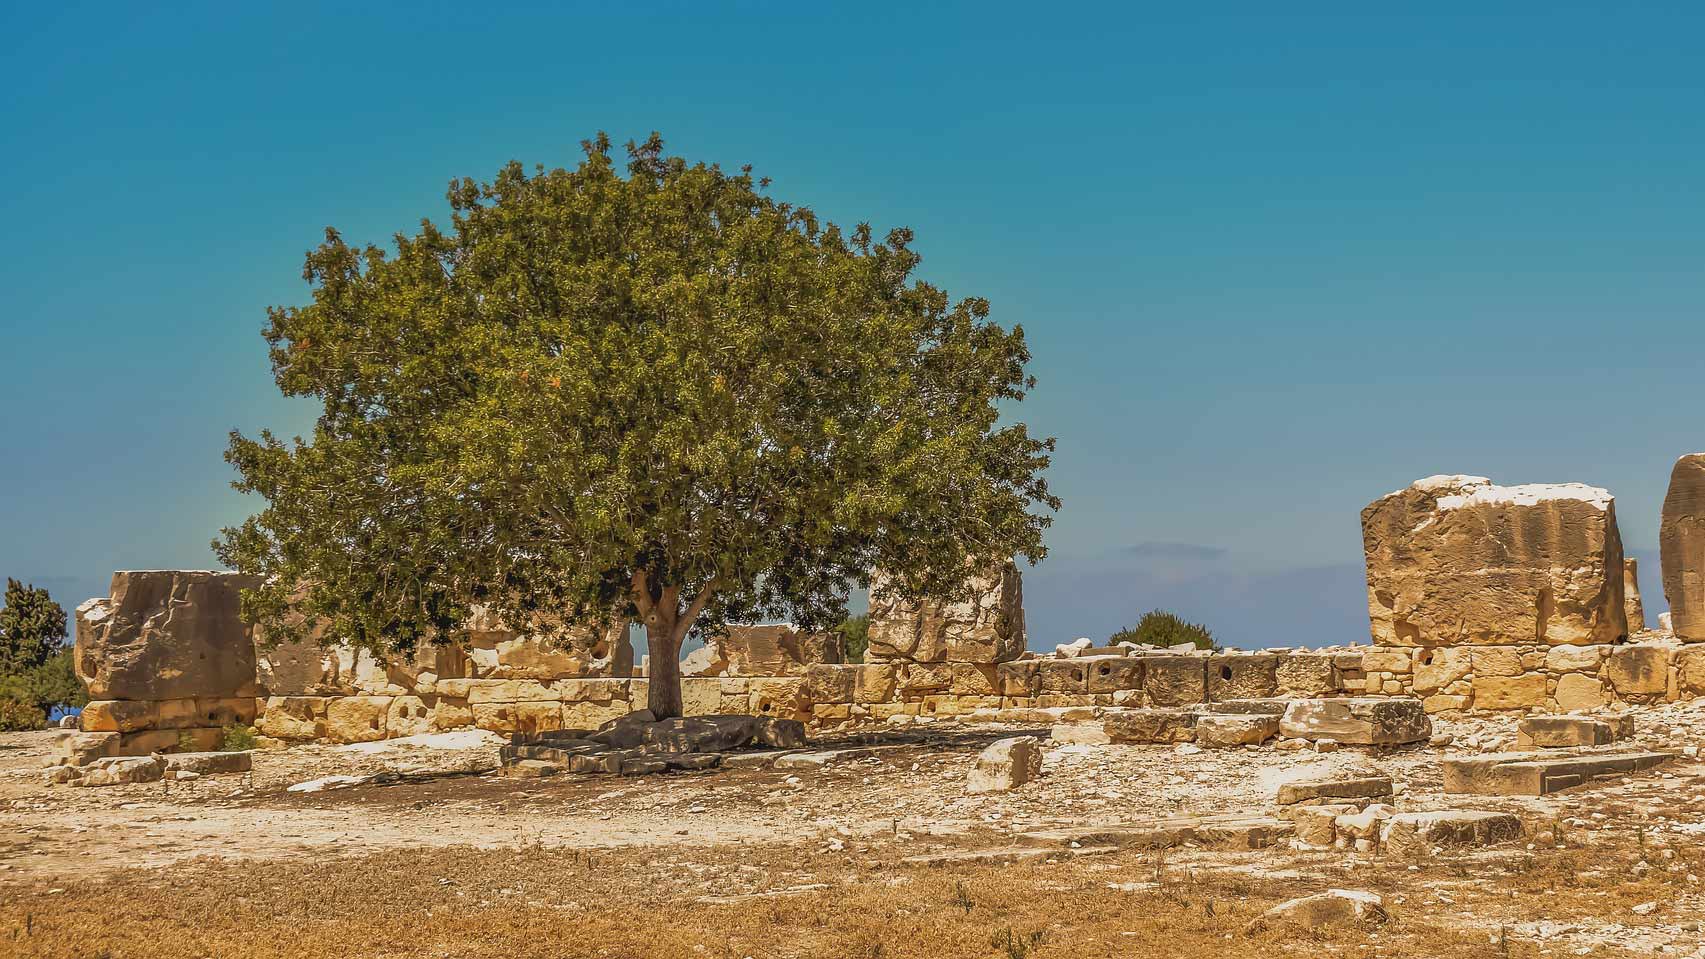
1681, 540
1459, 560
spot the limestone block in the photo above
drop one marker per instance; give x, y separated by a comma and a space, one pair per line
1236, 730
293, 718
1111, 674
781, 698
589, 690
1348, 787
1558, 732
1631, 595
1306, 674
498, 717
920, 679
113, 772
1175, 680
1681, 542
1391, 659
1242, 676
82, 748
1150, 726
537, 717
480, 691
1509, 692
975, 679
1444, 702
408, 716
547, 649
1418, 833
1457, 560
875, 683
701, 696
1578, 692
1333, 907
225, 711
1366, 722
1006, 765
116, 716
166, 634
1575, 659
1064, 677
984, 626
1495, 661
202, 739
1022, 678
1690, 670
825, 683
356, 719
1638, 670
775, 650
449, 712
593, 715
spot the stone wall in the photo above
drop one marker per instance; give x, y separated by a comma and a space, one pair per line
1543, 679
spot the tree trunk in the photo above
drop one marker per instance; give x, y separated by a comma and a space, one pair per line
663, 679
663, 687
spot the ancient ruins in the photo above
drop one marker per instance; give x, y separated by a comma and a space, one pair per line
1510, 662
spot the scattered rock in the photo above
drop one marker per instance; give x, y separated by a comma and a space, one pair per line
1006, 765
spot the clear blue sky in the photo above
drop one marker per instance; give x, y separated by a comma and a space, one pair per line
1272, 265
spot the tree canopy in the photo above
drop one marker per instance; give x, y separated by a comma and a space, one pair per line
664, 395
32, 627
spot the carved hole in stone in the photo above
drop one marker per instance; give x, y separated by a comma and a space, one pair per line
1105, 669
1225, 672
1426, 657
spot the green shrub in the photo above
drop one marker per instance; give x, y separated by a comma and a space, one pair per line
18, 716
31, 626
238, 738
48, 684
1161, 628
855, 638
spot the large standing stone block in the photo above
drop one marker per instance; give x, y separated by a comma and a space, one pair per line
985, 627
1681, 541
167, 634
1631, 594
1175, 680
781, 649
1459, 560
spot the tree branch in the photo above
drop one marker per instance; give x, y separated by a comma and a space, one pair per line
686, 621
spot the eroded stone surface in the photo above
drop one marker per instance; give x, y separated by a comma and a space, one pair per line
1458, 560
986, 627
1681, 542
167, 634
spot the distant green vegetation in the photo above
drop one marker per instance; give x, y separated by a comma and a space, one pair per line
1161, 628
855, 638
35, 665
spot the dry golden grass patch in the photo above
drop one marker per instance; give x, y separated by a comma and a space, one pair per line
788, 901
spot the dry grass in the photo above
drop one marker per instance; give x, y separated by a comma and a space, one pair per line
527, 903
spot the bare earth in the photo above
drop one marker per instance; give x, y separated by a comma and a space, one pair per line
441, 857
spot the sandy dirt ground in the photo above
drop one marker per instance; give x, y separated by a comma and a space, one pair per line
901, 798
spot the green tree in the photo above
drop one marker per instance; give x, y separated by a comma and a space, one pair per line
1161, 628
32, 627
855, 637
664, 395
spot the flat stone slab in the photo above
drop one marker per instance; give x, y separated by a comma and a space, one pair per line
1536, 774
1361, 721
1150, 726
1314, 791
1215, 832
1558, 732
1419, 833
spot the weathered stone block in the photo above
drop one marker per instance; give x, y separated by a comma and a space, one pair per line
356, 719
775, 650
116, 716
1681, 541
831, 683
1242, 676
975, 679
408, 716
1578, 691
1020, 679
1174, 680
1064, 677
1509, 692
1457, 560
166, 634
1248, 729
1109, 674
987, 626
1575, 659
1306, 675
1006, 765
1638, 670
1365, 722
1150, 726
293, 718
